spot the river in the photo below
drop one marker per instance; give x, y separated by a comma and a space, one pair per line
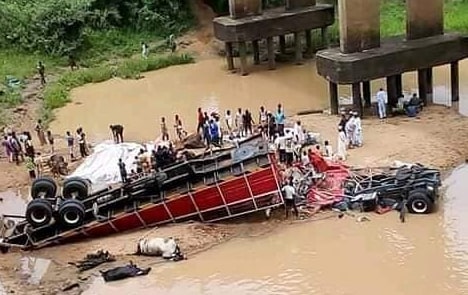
139, 104
425, 255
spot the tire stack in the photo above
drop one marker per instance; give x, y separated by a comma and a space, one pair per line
67, 211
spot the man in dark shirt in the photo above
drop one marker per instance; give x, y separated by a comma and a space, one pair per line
41, 71
123, 171
117, 132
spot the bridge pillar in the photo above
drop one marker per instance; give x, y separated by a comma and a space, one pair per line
357, 97
422, 85
454, 81
298, 48
271, 53
243, 8
243, 58
392, 91
293, 4
229, 56
366, 93
424, 18
359, 25
333, 91
256, 52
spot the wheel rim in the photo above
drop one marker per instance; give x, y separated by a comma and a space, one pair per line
419, 206
71, 217
39, 216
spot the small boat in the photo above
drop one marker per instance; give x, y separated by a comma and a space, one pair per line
226, 184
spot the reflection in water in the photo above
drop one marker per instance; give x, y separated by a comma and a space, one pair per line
140, 104
456, 220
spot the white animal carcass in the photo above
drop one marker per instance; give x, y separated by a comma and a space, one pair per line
165, 247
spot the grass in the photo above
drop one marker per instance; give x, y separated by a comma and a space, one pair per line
57, 94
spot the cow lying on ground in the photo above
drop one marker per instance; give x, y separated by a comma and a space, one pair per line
167, 248
123, 272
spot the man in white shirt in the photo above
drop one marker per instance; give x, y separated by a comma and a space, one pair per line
381, 104
289, 196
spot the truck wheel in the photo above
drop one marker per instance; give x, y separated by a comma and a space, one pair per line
39, 212
72, 213
43, 187
419, 202
75, 188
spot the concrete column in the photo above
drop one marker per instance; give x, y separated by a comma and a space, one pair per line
357, 97
282, 44
429, 85
422, 85
324, 35
392, 91
359, 24
271, 53
294, 4
308, 37
399, 85
298, 48
454, 81
366, 92
333, 89
229, 57
256, 52
424, 18
243, 8
243, 58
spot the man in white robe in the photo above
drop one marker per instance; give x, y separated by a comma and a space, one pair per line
357, 138
341, 145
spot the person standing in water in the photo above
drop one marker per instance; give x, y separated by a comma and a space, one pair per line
289, 195
164, 132
40, 133
41, 71
123, 171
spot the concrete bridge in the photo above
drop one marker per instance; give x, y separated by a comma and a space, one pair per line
362, 56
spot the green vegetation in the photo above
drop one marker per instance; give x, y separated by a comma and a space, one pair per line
56, 94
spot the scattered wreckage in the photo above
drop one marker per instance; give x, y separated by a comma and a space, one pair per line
228, 183
224, 184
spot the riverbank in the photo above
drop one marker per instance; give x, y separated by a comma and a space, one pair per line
437, 138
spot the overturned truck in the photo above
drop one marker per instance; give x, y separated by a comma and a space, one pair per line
214, 187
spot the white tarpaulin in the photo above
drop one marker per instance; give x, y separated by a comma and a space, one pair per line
101, 167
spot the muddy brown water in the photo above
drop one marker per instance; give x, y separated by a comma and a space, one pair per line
425, 255
139, 104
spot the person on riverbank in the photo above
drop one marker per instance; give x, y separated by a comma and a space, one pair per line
164, 132
70, 145
179, 129
201, 121
357, 136
72, 62
341, 144
382, 104
228, 121
82, 142
290, 196
117, 133
280, 120
50, 139
144, 50
239, 122
31, 167
350, 128
41, 71
40, 133
28, 146
7, 148
172, 43
123, 171
16, 148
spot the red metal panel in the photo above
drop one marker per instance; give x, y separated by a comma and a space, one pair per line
154, 214
127, 221
99, 230
235, 190
262, 182
208, 198
181, 206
